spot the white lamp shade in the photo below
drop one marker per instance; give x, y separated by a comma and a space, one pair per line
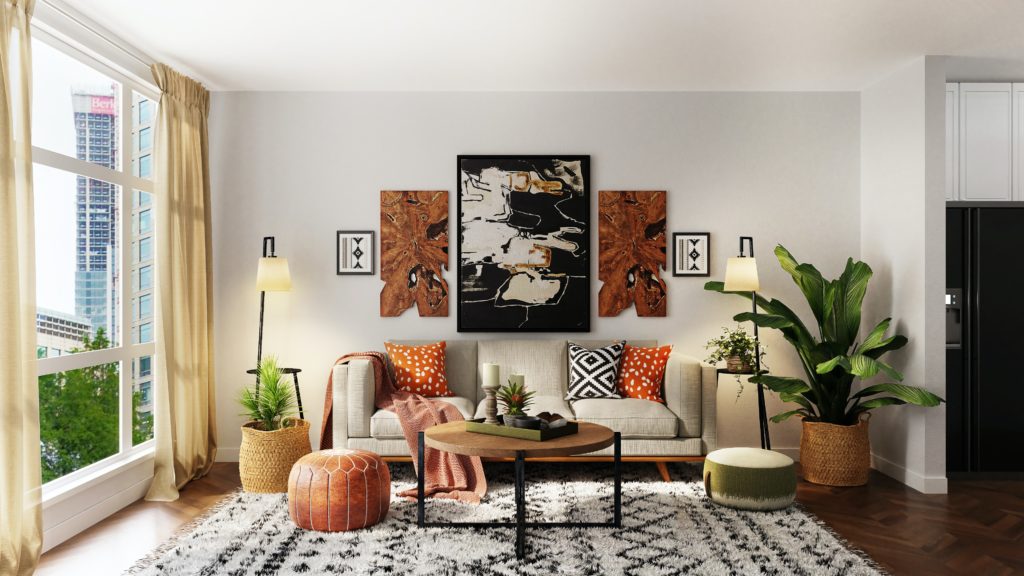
741, 275
273, 276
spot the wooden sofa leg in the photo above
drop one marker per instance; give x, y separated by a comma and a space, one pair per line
663, 470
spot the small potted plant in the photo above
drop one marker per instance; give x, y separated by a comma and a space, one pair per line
516, 399
736, 348
273, 439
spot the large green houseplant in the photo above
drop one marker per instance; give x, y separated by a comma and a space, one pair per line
832, 361
273, 439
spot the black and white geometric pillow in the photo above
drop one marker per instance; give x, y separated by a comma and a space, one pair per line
593, 373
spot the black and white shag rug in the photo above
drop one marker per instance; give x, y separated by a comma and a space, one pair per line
668, 528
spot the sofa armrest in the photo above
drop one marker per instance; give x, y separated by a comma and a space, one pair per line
709, 408
353, 401
683, 393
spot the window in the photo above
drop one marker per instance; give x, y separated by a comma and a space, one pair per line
94, 131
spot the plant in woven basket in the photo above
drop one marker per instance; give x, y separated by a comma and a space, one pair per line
271, 401
515, 397
834, 443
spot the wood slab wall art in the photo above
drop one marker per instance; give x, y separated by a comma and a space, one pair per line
631, 239
414, 251
524, 244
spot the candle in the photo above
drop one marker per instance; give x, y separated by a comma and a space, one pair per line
490, 375
517, 379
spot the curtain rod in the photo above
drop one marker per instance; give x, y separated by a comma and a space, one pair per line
101, 34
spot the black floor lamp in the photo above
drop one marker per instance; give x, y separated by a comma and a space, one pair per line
741, 276
271, 276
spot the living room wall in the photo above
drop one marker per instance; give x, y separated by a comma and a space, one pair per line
782, 167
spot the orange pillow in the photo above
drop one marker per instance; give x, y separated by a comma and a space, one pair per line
420, 369
642, 371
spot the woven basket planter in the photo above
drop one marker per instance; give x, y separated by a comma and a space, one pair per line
835, 455
266, 458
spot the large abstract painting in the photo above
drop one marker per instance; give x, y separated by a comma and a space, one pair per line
524, 244
631, 239
414, 251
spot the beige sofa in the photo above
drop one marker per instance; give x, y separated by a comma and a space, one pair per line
683, 428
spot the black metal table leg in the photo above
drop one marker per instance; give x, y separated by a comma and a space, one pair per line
520, 505
420, 479
618, 481
298, 395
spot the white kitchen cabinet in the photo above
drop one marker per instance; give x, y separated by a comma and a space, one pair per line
1018, 142
986, 142
952, 141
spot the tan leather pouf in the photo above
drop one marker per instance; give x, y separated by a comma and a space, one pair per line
339, 490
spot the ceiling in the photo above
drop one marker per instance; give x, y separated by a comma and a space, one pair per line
370, 45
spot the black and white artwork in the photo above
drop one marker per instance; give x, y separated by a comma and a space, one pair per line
355, 252
524, 244
691, 254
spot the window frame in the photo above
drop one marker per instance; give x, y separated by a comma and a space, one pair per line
127, 350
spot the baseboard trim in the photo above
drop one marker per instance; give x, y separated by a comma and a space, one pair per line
921, 483
58, 534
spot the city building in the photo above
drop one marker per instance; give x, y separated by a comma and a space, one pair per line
96, 129
58, 333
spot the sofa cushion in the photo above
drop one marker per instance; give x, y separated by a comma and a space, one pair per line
551, 404
592, 373
543, 362
642, 372
420, 369
460, 365
633, 417
385, 424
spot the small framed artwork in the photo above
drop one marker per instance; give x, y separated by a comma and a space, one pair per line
355, 252
691, 253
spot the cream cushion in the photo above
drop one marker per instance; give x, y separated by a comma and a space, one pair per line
633, 417
543, 362
385, 424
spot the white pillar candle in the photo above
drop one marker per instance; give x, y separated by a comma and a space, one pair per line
517, 379
490, 375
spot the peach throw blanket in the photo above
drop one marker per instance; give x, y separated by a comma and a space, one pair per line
446, 475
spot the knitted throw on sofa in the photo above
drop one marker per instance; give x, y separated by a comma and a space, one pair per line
446, 475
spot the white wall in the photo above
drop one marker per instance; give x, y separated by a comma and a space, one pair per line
902, 238
783, 167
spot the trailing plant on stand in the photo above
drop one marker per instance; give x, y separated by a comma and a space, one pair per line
834, 446
735, 347
273, 439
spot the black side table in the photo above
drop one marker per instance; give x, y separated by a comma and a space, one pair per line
294, 372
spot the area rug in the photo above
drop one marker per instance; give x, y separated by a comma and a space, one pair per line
668, 528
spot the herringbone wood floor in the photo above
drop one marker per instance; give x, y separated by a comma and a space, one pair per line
976, 529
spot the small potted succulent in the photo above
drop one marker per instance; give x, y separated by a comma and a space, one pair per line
516, 399
736, 348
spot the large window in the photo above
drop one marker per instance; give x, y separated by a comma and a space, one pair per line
93, 133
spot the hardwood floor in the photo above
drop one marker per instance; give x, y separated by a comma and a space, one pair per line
976, 529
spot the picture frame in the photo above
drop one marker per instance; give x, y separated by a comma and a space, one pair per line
523, 250
691, 254
355, 250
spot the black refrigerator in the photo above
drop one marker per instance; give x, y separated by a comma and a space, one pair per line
985, 341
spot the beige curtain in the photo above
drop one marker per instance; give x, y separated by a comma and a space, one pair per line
186, 438
21, 526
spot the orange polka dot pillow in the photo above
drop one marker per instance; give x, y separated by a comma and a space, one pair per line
642, 372
420, 369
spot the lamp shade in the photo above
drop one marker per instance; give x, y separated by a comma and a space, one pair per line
741, 275
273, 276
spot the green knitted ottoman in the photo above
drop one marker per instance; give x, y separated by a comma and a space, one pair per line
750, 478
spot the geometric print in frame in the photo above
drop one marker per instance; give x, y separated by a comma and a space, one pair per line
355, 252
691, 254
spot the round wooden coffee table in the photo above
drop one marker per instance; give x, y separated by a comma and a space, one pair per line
453, 437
